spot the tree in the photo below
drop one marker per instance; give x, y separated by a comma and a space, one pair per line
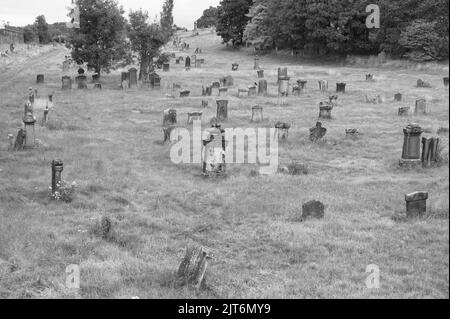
146, 38
422, 42
209, 18
232, 20
41, 27
167, 19
100, 40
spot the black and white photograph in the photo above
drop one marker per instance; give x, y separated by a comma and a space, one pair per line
199, 151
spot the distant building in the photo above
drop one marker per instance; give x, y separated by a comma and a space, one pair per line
10, 35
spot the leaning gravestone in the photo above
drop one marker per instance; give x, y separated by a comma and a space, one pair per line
155, 80
416, 204
411, 156
398, 97
317, 133
313, 209
40, 79
133, 80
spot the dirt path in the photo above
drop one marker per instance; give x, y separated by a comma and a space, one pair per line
20, 68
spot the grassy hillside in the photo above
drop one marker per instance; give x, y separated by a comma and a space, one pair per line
110, 143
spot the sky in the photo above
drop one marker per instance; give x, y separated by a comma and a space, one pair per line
24, 12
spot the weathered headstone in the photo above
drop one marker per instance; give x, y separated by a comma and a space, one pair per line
416, 204
11, 142
257, 114
325, 110
194, 116
166, 67
323, 86
185, 93
29, 121
40, 79
282, 73
423, 84
95, 78
97, 86
222, 110
398, 97
282, 131
411, 146
81, 80
214, 148
57, 168
223, 91
207, 91
177, 61
446, 81
256, 65
351, 133
403, 111
242, 91
168, 133
170, 117
430, 149
187, 63
340, 87
133, 79
421, 107
45, 116
31, 95
313, 209
252, 90
20, 142
283, 86
369, 77
260, 74
332, 99
262, 88
155, 80
317, 133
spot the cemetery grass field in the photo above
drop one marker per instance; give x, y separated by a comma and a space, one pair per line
111, 144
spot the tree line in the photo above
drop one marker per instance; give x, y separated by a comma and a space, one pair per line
413, 29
